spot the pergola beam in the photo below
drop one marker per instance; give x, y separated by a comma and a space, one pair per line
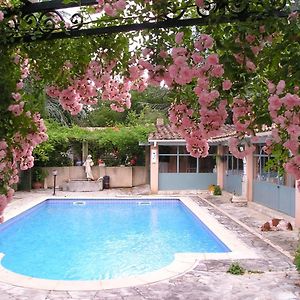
42, 17
45, 6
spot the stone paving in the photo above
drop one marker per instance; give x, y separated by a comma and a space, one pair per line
271, 277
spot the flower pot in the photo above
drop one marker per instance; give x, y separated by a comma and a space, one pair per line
37, 185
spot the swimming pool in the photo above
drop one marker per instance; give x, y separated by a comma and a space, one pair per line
102, 239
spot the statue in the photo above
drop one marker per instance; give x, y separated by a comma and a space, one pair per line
88, 167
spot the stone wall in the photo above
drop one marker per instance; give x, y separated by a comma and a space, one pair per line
119, 176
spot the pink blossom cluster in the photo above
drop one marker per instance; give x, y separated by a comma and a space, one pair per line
98, 81
255, 43
240, 147
111, 7
242, 115
1, 15
200, 3
182, 66
284, 109
16, 150
243, 120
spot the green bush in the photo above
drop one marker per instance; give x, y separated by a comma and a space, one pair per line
297, 258
236, 269
217, 190
38, 174
114, 145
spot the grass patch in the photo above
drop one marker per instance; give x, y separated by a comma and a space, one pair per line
297, 258
236, 269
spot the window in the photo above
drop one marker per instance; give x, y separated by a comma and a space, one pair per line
176, 159
207, 164
187, 164
261, 171
234, 166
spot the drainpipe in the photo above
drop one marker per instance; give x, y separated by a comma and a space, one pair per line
154, 169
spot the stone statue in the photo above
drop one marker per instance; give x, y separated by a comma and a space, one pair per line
88, 167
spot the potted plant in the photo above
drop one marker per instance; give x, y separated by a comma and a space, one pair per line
38, 177
211, 189
215, 190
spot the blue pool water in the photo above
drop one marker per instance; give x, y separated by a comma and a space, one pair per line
103, 239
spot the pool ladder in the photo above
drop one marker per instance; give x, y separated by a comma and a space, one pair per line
144, 203
79, 203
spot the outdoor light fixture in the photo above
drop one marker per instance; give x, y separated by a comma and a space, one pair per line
54, 173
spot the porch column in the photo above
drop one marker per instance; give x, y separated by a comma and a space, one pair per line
297, 204
220, 166
154, 169
249, 176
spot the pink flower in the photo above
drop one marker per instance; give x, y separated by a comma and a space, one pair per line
250, 38
16, 96
251, 67
17, 59
146, 51
200, 3
291, 101
274, 103
212, 59
120, 5
16, 109
1, 16
163, 54
196, 146
109, 10
239, 57
20, 85
179, 37
256, 50
292, 145
217, 71
226, 85
197, 58
3, 145
280, 87
271, 87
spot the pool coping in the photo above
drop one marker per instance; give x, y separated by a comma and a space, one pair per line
182, 263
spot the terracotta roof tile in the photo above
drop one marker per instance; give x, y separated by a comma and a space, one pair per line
166, 132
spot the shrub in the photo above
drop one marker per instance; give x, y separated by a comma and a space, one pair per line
38, 174
297, 258
236, 269
217, 190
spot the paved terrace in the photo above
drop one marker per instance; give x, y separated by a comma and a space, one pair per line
270, 277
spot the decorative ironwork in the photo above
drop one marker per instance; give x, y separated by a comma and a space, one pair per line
48, 20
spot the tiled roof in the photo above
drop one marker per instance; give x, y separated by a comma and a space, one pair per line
165, 132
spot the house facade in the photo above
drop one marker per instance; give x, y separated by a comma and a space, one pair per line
172, 168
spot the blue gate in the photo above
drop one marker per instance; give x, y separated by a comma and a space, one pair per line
277, 197
233, 184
